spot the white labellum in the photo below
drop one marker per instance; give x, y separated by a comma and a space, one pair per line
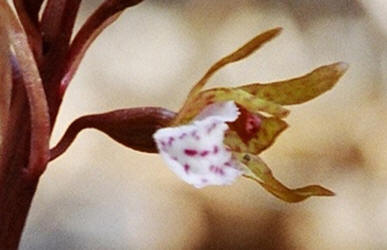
196, 153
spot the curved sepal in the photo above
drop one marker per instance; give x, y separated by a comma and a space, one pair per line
258, 171
241, 53
300, 89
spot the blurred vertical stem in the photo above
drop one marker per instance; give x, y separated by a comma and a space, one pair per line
17, 188
25, 134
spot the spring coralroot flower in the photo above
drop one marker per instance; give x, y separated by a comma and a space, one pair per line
218, 133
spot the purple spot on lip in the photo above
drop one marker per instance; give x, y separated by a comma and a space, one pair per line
194, 134
182, 135
215, 150
163, 146
227, 163
204, 180
216, 170
186, 168
212, 127
170, 140
204, 153
190, 152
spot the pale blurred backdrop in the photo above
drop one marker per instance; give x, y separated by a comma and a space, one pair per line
100, 195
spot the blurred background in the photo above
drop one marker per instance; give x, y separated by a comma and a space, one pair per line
100, 195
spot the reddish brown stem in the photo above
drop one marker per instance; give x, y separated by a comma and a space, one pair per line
106, 13
16, 193
57, 27
24, 152
32, 7
28, 16
13, 213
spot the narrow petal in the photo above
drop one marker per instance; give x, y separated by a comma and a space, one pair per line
241, 97
301, 89
243, 52
262, 174
196, 152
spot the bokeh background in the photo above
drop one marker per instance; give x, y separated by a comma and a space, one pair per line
100, 195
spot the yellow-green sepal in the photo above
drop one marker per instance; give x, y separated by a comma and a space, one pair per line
300, 89
258, 171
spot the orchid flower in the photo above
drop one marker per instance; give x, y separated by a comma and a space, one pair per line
218, 134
